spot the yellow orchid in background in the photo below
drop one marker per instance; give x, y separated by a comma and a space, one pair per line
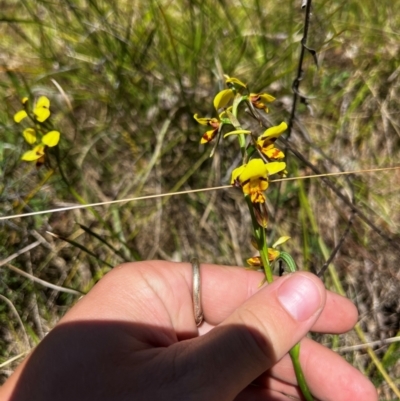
50, 139
41, 110
20, 115
35, 154
29, 135
253, 177
259, 99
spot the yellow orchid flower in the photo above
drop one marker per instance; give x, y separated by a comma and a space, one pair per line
20, 115
253, 177
259, 99
222, 98
51, 139
212, 122
272, 152
272, 133
30, 135
255, 261
273, 253
232, 80
265, 142
41, 110
35, 154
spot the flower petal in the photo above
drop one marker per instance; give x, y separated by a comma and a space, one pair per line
273, 254
236, 173
223, 98
280, 241
51, 138
43, 101
265, 97
42, 114
202, 120
255, 168
208, 136
237, 132
41, 110
232, 80
275, 167
254, 261
274, 132
272, 152
29, 135
20, 115
31, 155
255, 188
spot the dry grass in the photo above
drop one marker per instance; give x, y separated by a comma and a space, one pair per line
134, 78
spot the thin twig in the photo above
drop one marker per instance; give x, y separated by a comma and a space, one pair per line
14, 358
377, 343
14, 310
20, 252
299, 77
43, 282
191, 191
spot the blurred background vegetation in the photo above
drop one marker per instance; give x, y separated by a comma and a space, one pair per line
125, 78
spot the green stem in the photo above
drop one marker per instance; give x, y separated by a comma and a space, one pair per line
295, 355
261, 238
264, 256
295, 351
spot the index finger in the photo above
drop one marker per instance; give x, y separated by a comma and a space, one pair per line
225, 288
166, 288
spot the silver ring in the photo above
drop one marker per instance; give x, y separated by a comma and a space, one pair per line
197, 309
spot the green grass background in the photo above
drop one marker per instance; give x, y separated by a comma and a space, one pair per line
125, 78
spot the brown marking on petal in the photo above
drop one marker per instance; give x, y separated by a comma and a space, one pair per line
266, 143
243, 183
40, 162
275, 153
214, 123
209, 135
257, 197
254, 261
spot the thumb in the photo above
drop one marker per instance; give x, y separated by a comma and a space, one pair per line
259, 333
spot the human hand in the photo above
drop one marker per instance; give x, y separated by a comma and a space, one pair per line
133, 337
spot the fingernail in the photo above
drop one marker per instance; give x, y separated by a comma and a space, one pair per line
300, 297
